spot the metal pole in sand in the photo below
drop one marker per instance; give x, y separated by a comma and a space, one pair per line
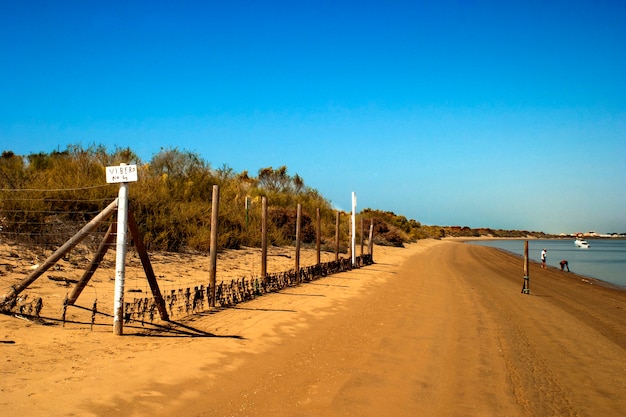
122, 174
264, 239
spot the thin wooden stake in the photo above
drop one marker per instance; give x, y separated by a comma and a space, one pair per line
337, 237
64, 310
353, 230
298, 238
318, 235
371, 240
94, 310
362, 235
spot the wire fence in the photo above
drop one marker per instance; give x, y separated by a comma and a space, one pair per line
191, 300
35, 223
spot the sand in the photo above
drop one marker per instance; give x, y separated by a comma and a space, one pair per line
439, 328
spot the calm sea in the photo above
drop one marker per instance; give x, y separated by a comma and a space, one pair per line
605, 259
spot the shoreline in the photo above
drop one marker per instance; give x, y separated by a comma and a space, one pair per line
596, 280
462, 238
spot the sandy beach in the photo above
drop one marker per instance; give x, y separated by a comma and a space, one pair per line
438, 328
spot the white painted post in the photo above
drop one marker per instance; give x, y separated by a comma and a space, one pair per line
264, 239
353, 243
120, 258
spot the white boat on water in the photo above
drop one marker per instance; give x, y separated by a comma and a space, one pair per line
581, 243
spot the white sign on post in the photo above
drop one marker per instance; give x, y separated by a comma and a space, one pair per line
122, 173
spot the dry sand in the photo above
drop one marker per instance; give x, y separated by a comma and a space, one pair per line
438, 328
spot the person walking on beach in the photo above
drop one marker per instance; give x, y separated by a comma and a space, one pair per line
544, 256
564, 264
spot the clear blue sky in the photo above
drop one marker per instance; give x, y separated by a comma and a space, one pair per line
494, 114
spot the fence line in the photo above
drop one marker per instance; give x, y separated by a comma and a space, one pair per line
185, 301
52, 190
39, 226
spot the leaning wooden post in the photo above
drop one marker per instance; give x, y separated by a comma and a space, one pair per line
318, 234
120, 260
298, 238
264, 239
526, 287
213, 257
337, 237
107, 241
147, 267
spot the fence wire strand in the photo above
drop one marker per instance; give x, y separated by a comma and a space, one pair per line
29, 234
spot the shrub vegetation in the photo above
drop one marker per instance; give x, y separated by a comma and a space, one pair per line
171, 201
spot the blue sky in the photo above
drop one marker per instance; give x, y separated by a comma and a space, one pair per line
473, 113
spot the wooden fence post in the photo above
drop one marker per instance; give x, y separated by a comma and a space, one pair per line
353, 230
298, 238
337, 237
349, 231
362, 233
526, 287
371, 240
215, 204
318, 234
147, 267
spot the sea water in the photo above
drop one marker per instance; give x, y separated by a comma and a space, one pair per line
605, 259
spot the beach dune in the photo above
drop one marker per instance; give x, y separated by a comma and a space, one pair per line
436, 328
